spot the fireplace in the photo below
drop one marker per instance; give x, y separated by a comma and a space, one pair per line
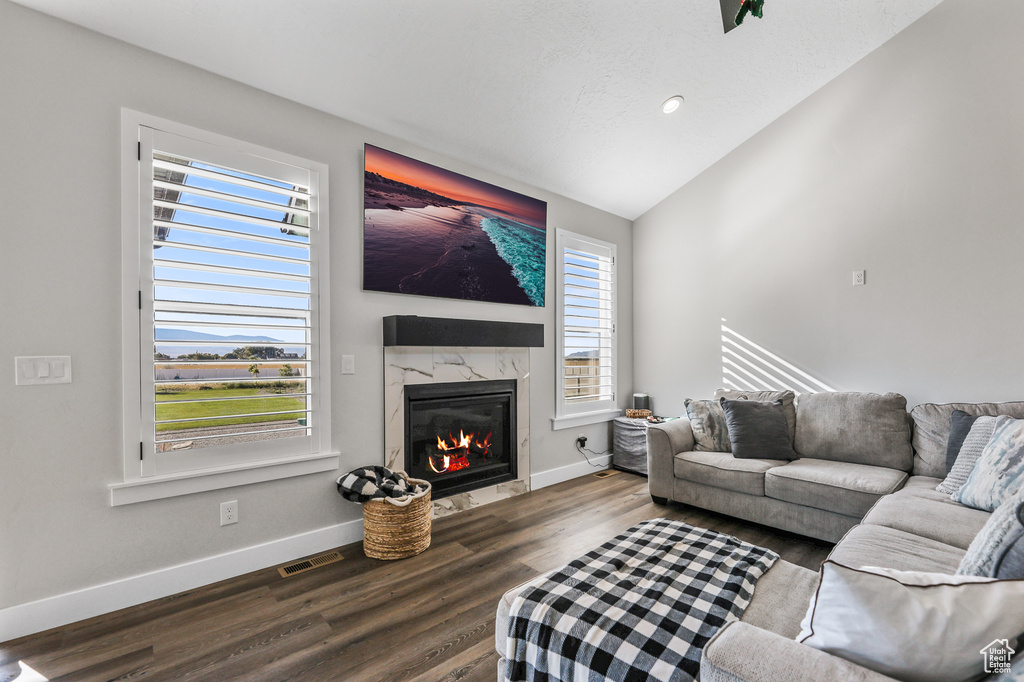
422, 351
461, 436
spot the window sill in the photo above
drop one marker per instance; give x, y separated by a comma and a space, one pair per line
571, 421
160, 487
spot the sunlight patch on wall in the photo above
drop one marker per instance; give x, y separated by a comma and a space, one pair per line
746, 366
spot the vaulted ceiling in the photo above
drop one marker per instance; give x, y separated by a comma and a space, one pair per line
563, 94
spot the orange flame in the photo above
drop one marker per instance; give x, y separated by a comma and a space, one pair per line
459, 447
463, 442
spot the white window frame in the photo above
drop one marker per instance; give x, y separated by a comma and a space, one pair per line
223, 466
569, 415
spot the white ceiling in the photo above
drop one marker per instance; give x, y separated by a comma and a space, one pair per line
562, 94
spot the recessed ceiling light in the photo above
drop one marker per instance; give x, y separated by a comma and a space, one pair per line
671, 104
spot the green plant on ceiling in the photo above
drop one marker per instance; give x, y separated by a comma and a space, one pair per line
749, 7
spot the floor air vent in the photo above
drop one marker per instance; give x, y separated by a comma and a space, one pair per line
605, 474
309, 564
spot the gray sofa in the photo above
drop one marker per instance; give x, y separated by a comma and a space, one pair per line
853, 448
909, 526
914, 528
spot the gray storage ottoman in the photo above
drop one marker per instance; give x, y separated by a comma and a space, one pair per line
629, 444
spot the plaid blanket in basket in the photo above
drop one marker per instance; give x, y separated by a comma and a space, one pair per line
376, 483
640, 607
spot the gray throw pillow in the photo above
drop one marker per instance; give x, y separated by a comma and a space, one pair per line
997, 551
974, 444
710, 433
960, 424
758, 430
787, 397
999, 471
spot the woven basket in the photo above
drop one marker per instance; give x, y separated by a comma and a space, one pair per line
638, 414
391, 531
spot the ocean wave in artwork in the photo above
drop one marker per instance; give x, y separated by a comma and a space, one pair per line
523, 247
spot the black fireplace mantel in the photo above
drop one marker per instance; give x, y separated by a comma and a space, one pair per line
413, 330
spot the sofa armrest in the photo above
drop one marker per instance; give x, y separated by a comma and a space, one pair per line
664, 442
741, 652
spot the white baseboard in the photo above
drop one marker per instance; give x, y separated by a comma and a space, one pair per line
36, 616
553, 476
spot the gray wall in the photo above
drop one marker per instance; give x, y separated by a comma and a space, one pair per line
62, 90
910, 165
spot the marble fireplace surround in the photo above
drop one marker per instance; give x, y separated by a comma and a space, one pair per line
465, 362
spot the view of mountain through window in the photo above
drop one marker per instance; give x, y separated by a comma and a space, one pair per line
231, 306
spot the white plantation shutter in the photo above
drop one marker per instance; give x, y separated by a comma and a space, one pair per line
586, 317
229, 319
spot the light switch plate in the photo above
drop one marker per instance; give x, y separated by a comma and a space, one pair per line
348, 364
46, 369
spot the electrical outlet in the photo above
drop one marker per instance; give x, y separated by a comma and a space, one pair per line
858, 278
348, 364
581, 441
228, 512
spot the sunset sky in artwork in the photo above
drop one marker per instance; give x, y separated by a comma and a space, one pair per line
455, 186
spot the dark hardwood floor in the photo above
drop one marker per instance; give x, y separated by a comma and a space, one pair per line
430, 617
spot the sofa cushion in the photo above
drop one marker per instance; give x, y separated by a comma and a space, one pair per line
921, 482
741, 652
997, 551
839, 487
758, 429
707, 420
788, 399
921, 510
722, 470
862, 428
780, 598
931, 430
870, 545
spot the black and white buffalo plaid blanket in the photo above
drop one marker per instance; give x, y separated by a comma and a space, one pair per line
377, 483
640, 607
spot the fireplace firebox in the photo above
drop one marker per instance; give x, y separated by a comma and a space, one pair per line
461, 436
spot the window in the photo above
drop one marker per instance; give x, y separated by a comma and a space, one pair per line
586, 330
226, 353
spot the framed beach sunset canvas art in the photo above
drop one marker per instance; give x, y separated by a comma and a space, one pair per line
432, 232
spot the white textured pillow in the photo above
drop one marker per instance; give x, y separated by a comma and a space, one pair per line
973, 445
909, 625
